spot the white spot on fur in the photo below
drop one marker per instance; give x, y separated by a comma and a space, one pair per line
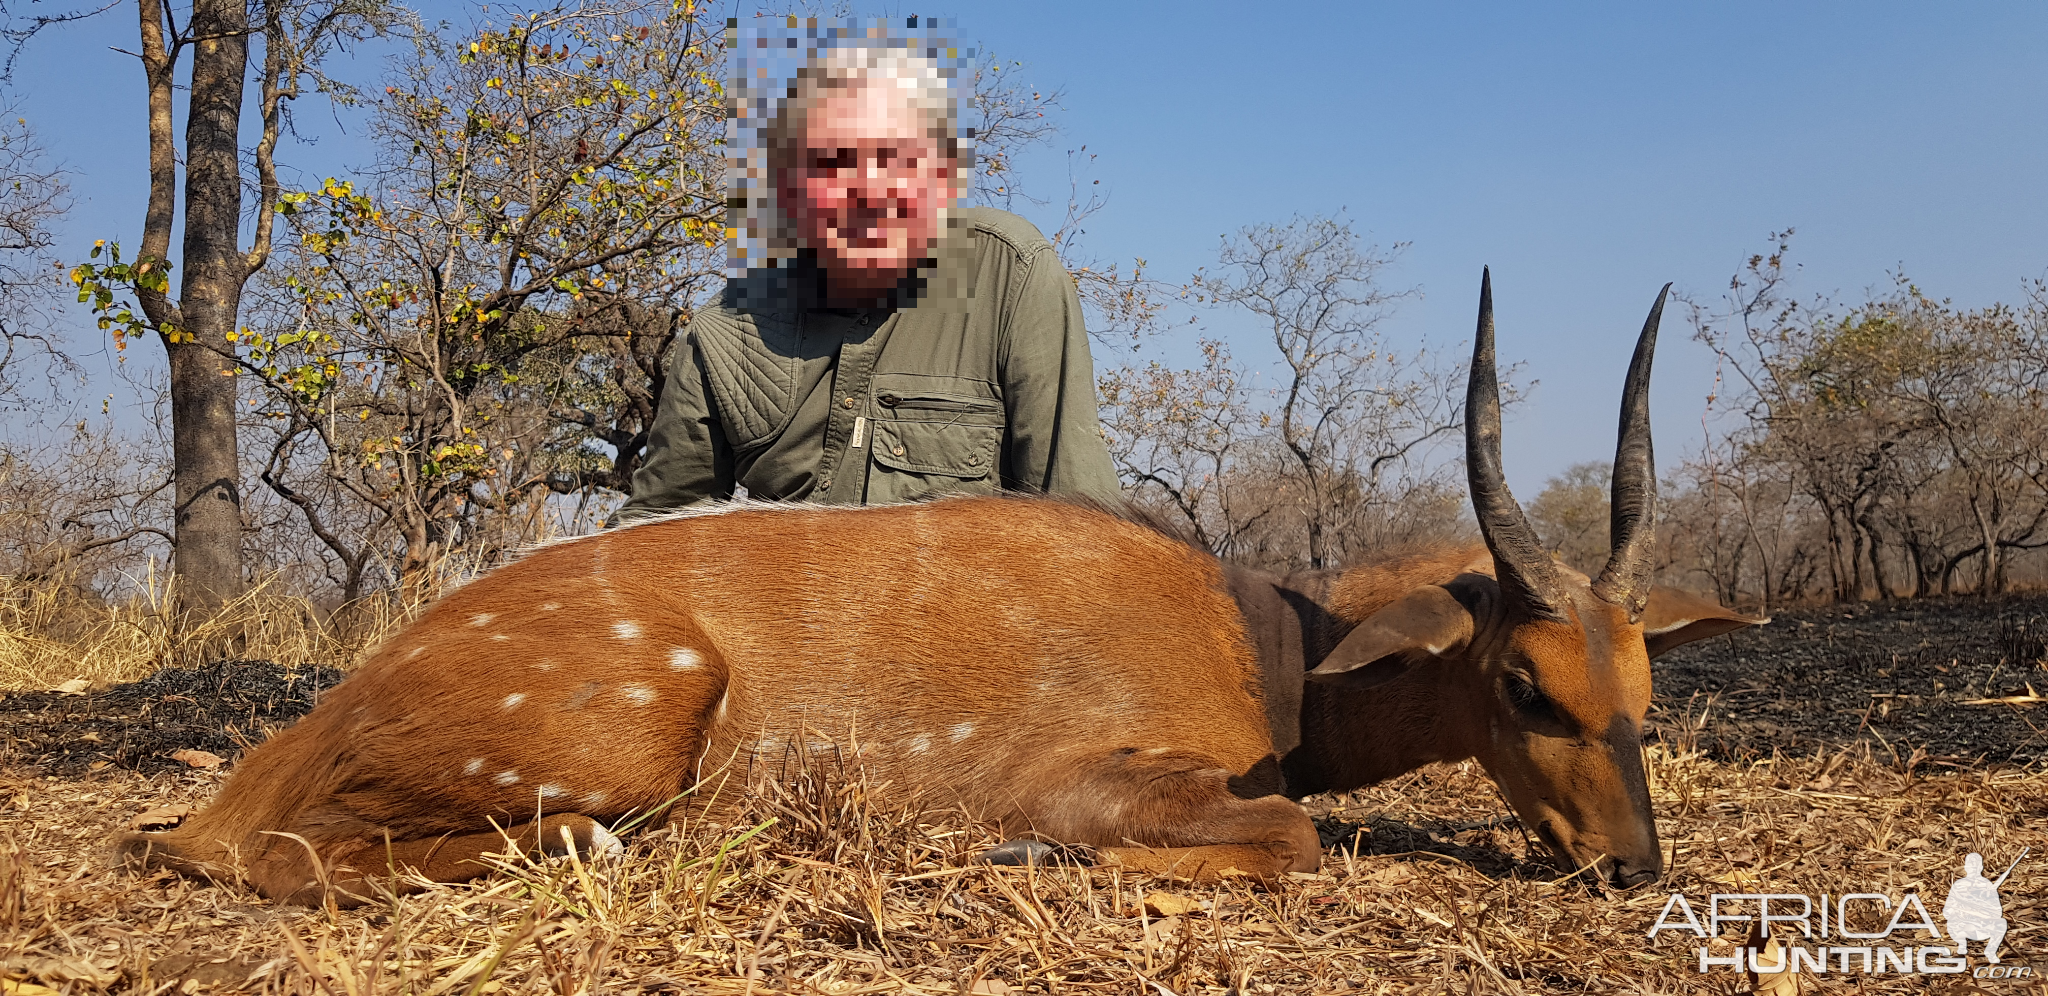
506, 778
685, 659
552, 791
512, 701
961, 732
626, 629
499, 636
545, 665
475, 765
550, 606
595, 798
921, 744
416, 651
718, 714
481, 619
639, 695
1156, 750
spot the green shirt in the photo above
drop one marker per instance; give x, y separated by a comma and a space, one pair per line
954, 393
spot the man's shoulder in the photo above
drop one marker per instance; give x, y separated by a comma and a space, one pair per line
1021, 236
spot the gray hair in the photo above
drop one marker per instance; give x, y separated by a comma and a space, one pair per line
770, 109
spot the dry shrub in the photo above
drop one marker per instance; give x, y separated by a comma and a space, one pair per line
819, 886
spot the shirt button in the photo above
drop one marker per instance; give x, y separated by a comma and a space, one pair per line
974, 460
824, 482
863, 320
848, 403
898, 451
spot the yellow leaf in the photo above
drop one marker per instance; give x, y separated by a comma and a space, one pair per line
1168, 904
198, 758
1784, 981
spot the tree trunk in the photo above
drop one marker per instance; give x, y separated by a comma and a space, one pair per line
1839, 570
205, 461
1992, 572
1879, 576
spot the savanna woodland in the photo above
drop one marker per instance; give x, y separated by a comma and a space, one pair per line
374, 386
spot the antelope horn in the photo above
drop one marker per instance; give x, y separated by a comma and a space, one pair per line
1527, 577
1632, 510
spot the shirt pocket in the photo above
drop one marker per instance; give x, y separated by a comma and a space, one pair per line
929, 442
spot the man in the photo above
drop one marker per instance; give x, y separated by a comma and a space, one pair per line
901, 347
1972, 909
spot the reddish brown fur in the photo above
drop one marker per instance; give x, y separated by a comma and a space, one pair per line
1042, 665
1575, 778
1493, 652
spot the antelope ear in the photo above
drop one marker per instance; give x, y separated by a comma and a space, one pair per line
1675, 618
1426, 621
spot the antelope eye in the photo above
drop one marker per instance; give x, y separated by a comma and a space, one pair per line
1526, 697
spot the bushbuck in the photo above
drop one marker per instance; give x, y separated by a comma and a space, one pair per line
1495, 652
1061, 671
1050, 667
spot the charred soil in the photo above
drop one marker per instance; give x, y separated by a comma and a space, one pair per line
1956, 681
220, 708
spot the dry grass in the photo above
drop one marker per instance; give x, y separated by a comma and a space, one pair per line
820, 890
52, 632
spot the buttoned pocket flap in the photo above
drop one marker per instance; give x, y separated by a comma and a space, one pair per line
954, 449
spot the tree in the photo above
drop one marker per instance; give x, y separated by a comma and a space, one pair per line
1348, 408
199, 326
488, 325
32, 195
1319, 465
1180, 435
1570, 513
1889, 444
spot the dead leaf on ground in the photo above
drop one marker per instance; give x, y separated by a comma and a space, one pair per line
198, 758
75, 686
9, 987
990, 987
1783, 982
204, 969
1168, 904
1160, 934
160, 818
57, 971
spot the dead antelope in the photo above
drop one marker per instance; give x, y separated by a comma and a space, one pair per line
1052, 668
1498, 653
1055, 669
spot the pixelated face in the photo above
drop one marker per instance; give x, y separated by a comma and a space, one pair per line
867, 187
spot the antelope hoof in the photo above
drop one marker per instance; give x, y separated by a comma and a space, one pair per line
596, 842
1018, 853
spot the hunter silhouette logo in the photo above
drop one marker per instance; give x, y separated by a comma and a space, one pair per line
1853, 933
1973, 911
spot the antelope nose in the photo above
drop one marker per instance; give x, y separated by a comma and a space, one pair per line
1630, 874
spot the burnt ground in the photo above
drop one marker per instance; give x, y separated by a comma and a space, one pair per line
220, 708
1899, 677
1902, 677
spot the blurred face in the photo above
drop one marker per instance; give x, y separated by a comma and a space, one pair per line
866, 187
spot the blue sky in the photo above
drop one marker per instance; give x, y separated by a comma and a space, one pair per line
1587, 152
